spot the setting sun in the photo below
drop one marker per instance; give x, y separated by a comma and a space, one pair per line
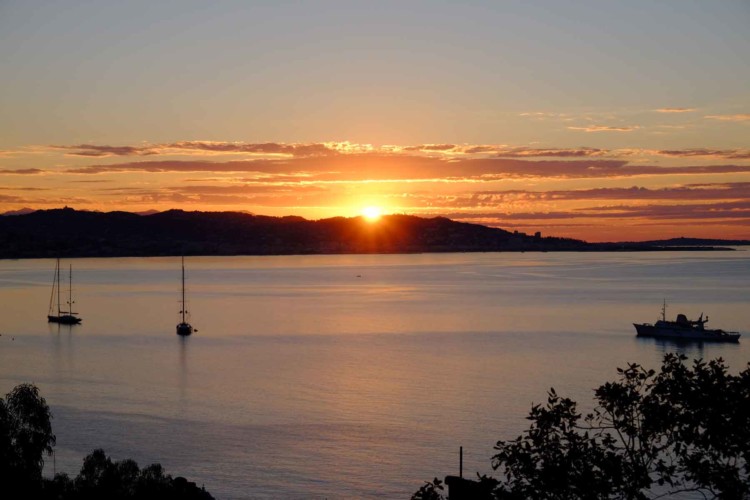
372, 213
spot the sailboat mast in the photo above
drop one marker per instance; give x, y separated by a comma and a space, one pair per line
183, 289
70, 289
58, 287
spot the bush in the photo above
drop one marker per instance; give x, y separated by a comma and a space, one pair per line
651, 434
26, 436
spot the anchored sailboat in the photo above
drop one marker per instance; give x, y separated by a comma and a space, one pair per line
64, 317
184, 328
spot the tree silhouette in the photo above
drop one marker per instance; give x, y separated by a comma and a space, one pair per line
26, 436
651, 435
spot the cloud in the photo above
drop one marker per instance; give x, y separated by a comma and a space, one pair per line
726, 191
674, 110
22, 171
204, 147
281, 151
695, 211
54, 201
543, 115
525, 152
4, 188
256, 195
743, 117
431, 147
527, 200
606, 128
378, 167
730, 154
102, 151
724, 210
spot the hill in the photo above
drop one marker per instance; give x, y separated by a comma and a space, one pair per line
74, 233
695, 242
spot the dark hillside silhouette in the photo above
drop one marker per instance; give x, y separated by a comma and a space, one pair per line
73, 233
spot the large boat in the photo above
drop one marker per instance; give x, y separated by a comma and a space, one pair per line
683, 328
183, 327
56, 314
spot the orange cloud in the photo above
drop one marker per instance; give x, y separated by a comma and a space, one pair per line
731, 154
606, 128
378, 167
737, 210
201, 147
743, 117
22, 171
282, 151
674, 110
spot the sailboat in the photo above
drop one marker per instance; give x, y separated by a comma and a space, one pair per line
184, 328
64, 317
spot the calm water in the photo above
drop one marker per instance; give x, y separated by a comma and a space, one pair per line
342, 376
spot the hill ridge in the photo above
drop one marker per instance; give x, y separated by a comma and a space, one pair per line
67, 232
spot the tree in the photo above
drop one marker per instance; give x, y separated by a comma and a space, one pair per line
25, 437
100, 477
650, 435
429, 491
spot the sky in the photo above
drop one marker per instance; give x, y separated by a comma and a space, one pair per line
599, 120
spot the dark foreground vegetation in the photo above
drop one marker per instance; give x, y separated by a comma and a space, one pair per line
26, 437
651, 435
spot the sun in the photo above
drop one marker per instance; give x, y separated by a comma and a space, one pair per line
372, 213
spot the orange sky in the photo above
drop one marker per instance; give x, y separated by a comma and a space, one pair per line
615, 121
589, 193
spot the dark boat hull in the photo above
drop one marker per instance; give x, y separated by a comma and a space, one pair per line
687, 334
184, 329
64, 319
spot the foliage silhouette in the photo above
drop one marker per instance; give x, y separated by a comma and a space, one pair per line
100, 477
651, 435
429, 491
26, 436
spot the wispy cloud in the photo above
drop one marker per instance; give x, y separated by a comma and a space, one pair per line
329, 150
606, 128
742, 117
674, 110
519, 200
524, 152
28, 188
544, 115
686, 211
431, 147
22, 171
206, 148
729, 154
377, 167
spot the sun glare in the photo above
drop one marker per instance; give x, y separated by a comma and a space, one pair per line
372, 213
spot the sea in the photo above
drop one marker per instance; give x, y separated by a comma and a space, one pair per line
342, 376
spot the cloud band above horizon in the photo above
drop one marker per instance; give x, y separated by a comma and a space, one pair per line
575, 192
